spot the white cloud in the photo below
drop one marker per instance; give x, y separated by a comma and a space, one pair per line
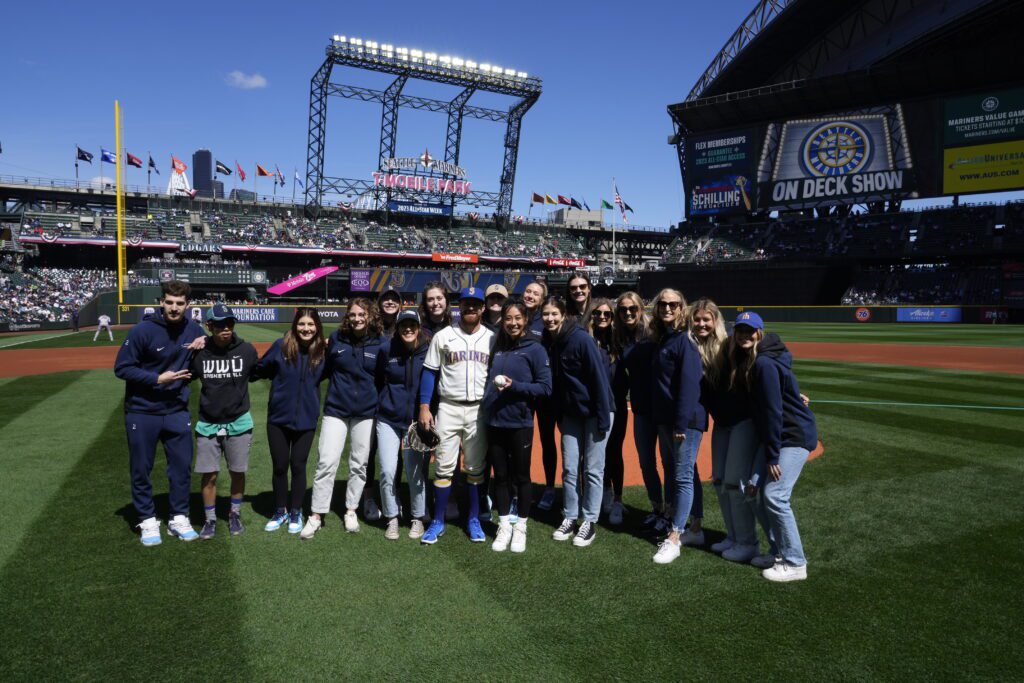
244, 81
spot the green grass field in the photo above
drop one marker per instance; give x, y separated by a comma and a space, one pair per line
911, 521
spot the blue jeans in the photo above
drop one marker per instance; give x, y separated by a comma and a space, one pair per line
775, 497
737, 448
684, 456
580, 438
645, 436
389, 442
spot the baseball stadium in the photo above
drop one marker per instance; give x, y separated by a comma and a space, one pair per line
403, 373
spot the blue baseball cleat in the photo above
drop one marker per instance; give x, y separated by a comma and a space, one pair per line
434, 532
475, 531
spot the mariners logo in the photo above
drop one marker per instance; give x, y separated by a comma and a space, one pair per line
836, 148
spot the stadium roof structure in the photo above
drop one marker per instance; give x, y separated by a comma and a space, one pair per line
802, 57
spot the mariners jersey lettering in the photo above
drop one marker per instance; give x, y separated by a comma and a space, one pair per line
461, 361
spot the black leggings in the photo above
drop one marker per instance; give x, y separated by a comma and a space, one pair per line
549, 451
508, 452
288, 446
614, 470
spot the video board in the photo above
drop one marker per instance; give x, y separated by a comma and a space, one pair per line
983, 142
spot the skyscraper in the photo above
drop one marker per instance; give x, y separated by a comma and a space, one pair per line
202, 173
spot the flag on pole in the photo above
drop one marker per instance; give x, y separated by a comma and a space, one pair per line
280, 176
178, 165
562, 199
262, 172
606, 205
241, 173
549, 200
152, 165
575, 204
585, 205
537, 199
299, 180
83, 155
622, 205
222, 169
107, 157
133, 160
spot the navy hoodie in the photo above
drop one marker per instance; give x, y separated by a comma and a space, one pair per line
781, 418
352, 365
398, 379
151, 349
294, 389
580, 376
676, 371
617, 380
535, 328
528, 366
635, 363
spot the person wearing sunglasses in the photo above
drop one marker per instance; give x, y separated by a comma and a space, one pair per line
600, 326
577, 297
632, 331
678, 414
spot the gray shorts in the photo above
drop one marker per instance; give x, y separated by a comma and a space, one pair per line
235, 450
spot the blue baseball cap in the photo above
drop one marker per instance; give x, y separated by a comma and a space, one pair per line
750, 319
468, 293
408, 314
219, 312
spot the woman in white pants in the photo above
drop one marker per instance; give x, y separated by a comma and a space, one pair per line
348, 412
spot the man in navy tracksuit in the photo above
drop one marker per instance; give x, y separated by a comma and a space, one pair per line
153, 362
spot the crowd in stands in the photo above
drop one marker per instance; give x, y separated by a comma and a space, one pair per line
925, 284
49, 294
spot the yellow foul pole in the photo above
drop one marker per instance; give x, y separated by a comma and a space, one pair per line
120, 205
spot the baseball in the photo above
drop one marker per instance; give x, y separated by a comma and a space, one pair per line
500, 381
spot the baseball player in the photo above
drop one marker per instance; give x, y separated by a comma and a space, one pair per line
104, 324
456, 367
153, 362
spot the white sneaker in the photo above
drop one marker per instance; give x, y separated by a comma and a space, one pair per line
416, 528
606, 500
391, 533
740, 553
313, 525
722, 545
519, 537
503, 538
150, 531
765, 561
783, 572
616, 513
667, 552
371, 511
692, 538
182, 528
352, 522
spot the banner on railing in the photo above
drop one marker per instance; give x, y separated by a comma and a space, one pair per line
567, 262
454, 258
300, 280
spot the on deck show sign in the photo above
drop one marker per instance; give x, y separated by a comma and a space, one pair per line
719, 169
984, 142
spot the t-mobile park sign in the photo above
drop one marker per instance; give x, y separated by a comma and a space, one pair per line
421, 183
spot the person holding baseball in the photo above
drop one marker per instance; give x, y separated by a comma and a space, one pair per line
349, 410
520, 374
456, 369
399, 370
153, 362
582, 400
295, 366
678, 414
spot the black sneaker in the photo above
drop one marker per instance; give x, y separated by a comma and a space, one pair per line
585, 536
209, 530
235, 524
565, 531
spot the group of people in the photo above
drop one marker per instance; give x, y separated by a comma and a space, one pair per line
412, 385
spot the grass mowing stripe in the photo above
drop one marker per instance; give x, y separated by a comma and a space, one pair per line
22, 394
929, 424
125, 612
33, 338
919, 405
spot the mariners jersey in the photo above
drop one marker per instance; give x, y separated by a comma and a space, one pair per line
461, 361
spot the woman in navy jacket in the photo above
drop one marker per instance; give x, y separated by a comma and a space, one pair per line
295, 366
533, 298
582, 401
786, 428
348, 412
519, 375
678, 413
598, 324
399, 367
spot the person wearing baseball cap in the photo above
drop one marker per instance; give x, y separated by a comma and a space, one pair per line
398, 372
494, 298
390, 303
787, 431
224, 428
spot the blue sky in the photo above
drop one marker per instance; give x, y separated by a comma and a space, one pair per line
608, 70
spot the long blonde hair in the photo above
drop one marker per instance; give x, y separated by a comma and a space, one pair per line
604, 339
623, 335
710, 348
741, 363
658, 330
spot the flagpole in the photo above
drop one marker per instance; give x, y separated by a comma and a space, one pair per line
76, 165
149, 169
614, 246
295, 174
